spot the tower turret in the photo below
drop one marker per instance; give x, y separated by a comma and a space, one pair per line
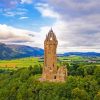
51, 37
50, 71
50, 57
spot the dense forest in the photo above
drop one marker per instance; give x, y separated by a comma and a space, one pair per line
82, 83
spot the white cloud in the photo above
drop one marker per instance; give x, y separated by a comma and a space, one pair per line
46, 10
77, 26
24, 17
17, 12
10, 34
26, 1
77, 35
76, 5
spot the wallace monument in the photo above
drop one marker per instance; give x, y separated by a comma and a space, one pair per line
50, 71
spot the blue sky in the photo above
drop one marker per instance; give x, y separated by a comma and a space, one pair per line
75, 22
22, 13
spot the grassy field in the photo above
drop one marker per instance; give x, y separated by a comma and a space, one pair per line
17, 63
78, 58
31, 61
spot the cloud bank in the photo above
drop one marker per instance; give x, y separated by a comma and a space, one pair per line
10, 34
78, 24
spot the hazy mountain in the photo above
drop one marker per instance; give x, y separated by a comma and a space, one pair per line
90, 54
18, 51
6, 52
21, 51
27, 51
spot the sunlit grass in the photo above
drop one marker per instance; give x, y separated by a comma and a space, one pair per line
18, 63
31, 61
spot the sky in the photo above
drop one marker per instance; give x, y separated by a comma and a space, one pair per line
76, 23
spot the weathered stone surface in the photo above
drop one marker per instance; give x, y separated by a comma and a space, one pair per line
50, 71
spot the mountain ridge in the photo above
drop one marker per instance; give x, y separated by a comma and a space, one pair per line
13, 51
92, 54
18, 51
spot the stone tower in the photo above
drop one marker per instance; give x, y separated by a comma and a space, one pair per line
50, 71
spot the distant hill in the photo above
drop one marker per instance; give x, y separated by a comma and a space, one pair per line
19, 51
87, 54
6, 52
27, 51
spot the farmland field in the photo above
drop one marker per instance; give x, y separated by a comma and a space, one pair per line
31, 61
18, 63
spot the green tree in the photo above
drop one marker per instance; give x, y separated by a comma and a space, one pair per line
80, 71
37, 69
79, 94
97, 96
97, 74
73, 68
91, 86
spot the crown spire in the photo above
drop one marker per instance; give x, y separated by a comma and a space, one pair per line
51, 35
51, 29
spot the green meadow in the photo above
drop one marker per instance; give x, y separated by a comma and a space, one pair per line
18, 63
31, 61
